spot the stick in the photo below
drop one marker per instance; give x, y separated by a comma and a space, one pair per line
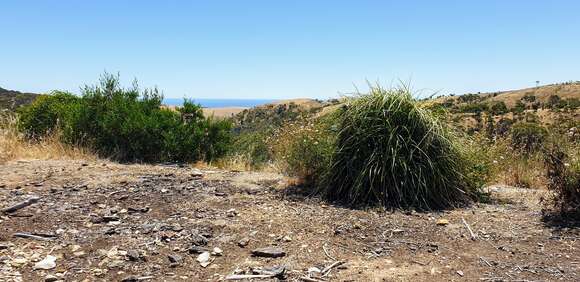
473, 236
247, 276
30, 236
326, 252
21, 205
308, 279
327, 269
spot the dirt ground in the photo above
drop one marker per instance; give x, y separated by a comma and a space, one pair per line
111, 222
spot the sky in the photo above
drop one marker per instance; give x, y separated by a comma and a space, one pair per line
289, 49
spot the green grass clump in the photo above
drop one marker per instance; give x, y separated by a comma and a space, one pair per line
127, 124
390, 151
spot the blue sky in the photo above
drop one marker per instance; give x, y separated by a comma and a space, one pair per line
289, 49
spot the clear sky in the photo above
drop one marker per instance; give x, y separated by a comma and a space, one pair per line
289, 49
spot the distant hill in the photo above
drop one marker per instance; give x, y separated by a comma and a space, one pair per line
567, 90
10, 99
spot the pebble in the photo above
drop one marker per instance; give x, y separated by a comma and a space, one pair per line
203, 259
217, 251
50, 278
269, 252
47, 263
442, 222
243, 242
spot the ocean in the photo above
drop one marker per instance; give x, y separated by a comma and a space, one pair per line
220, 103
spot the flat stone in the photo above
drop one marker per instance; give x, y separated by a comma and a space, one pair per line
442, 222
47, 263
197, 250
269, 252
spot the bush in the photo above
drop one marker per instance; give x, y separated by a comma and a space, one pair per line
499, 108
392, 152
305, 148
564, 181
528, 137
128, 124
46, 112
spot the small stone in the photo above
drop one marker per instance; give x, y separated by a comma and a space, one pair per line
460, 273
130, 279
50, 278
79, 254
4, 246
133, 255
442, 222
217, 251
312, 270
244, 242
269, 252
74, 248
197, 250
203, 259
398, 231
19, 261
287, 239
231, 213
174, 260
47, 263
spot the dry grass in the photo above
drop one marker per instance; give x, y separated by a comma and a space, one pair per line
13, 146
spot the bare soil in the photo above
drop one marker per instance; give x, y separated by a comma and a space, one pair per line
108, 222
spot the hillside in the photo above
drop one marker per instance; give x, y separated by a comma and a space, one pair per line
10, 99
541, 94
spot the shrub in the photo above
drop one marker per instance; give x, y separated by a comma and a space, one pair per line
128, 124
564, 181
528, 136
473, 108
46, 112
499, 108
304, 148
392, 152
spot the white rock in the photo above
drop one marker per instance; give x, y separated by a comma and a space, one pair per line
47, 263
203, 259
217, 251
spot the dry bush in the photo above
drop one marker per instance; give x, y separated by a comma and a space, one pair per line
563, 170
14, 146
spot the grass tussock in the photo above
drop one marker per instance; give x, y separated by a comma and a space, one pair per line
391, 151
15, 146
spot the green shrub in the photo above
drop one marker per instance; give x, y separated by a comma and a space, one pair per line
473, 108
46, 112
499, 108
392, 152
128, 124
528, 136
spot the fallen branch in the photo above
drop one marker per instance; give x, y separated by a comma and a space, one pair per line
309, 279
327, 269
21, 205
32, 236
473, 236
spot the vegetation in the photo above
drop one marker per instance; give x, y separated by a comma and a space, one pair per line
528, 136
127, 124
564, 179
392, 152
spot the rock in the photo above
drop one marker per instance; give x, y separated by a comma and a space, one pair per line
133, 255
197, 250
47, 263
268, 252
50, 278
203, 259
442, 222
174, 260
287, 239
132, 210
217, 251
198, 240
460, 273
244, 242
231, 213
19, 262
314, 270
4, 247
130, 279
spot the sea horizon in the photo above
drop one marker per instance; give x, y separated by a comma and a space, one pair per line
220, 103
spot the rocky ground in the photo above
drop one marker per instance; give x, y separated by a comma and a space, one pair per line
101, 221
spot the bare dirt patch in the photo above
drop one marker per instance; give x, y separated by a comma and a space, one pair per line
109, 222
